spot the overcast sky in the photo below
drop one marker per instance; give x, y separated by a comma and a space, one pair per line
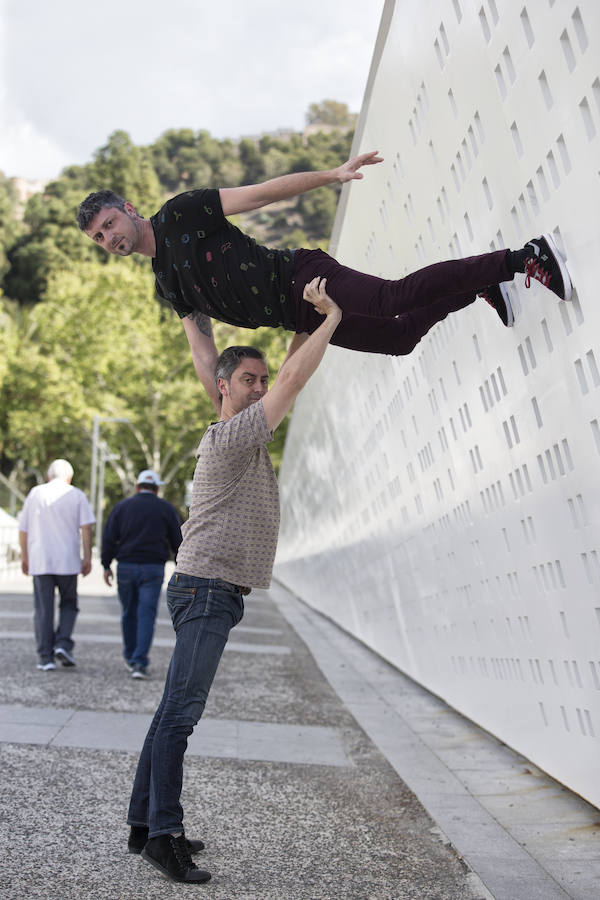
74, 71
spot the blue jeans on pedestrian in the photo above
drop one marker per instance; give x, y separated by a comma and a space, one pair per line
139, 587
203, 611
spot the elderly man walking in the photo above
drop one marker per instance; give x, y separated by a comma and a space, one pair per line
53, 516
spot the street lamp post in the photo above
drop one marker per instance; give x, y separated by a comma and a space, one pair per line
97, 496
105, 456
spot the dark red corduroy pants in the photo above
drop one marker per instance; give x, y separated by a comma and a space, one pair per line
386, 316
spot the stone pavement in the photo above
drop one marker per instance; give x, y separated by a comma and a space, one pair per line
318, 772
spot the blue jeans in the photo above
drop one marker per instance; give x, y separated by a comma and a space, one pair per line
139, 587
203, 610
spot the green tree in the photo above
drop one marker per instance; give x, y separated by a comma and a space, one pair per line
330, 112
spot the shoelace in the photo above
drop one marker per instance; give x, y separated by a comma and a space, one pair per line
182, 853
533, 269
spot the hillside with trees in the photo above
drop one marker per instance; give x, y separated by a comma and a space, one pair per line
82, 333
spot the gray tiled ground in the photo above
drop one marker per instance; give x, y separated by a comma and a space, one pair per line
332, 825
300, 778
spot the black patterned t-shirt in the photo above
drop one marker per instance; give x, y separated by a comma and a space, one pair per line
205, 263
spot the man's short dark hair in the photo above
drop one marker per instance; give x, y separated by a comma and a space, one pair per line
230, 359
93, 203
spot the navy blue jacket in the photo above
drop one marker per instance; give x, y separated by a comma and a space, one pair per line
142, 529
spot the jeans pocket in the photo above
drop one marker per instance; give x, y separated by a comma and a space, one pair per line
179, 601
224, 597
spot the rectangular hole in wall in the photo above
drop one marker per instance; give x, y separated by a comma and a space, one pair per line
536, 412
547, 337
466, 153
444, 38
580, 32
545, 89
566, 319
473, 140
586, 115
529, 36
567, 49
553, 169
595, 426
488, 195
484, 25
500, 81
532, 196
468, 227
564, 156
542, 183
591, 361
524, 210
596, 92
508, 65
583, 385
479, 127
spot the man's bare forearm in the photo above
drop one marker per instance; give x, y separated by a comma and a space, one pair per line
253, 196
199, 332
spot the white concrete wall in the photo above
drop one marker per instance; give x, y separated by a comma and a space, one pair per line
445, 507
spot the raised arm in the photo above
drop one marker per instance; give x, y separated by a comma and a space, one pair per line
253, 196
305, 358
198, 330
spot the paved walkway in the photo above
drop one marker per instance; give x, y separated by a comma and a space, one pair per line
318, 772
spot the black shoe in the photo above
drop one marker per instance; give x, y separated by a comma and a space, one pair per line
138, 671
497, 296
545, 264
171, 856
64, 656
138, 838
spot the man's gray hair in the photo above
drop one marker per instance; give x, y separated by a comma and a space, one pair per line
60, 468
93, 203
230, 359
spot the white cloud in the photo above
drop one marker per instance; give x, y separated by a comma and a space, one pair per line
74, 72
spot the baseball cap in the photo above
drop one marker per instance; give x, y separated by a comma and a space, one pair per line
148, 476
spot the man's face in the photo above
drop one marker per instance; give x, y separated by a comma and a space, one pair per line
116, 230
249, 383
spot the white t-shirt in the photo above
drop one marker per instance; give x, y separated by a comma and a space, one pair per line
52, 515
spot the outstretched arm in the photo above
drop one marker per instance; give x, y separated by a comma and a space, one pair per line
198, 330
253, 196
301, 364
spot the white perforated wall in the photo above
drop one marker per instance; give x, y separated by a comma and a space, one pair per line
445, 507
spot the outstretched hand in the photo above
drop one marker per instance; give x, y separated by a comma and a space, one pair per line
349, 170
316, 294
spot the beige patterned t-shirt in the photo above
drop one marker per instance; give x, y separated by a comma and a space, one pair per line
233, 524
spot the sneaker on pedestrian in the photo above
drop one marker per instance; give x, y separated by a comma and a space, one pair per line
129, 665
544, 263
497, 296
170, 855
138, 838
64, 656
47, 666
138, 671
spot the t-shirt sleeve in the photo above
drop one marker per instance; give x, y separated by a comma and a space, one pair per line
24, 516
245, 431
86, 513
187, 218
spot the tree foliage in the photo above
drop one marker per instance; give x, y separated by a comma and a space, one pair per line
81, 333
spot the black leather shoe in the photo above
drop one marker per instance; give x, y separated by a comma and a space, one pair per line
170, 855
138, 838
